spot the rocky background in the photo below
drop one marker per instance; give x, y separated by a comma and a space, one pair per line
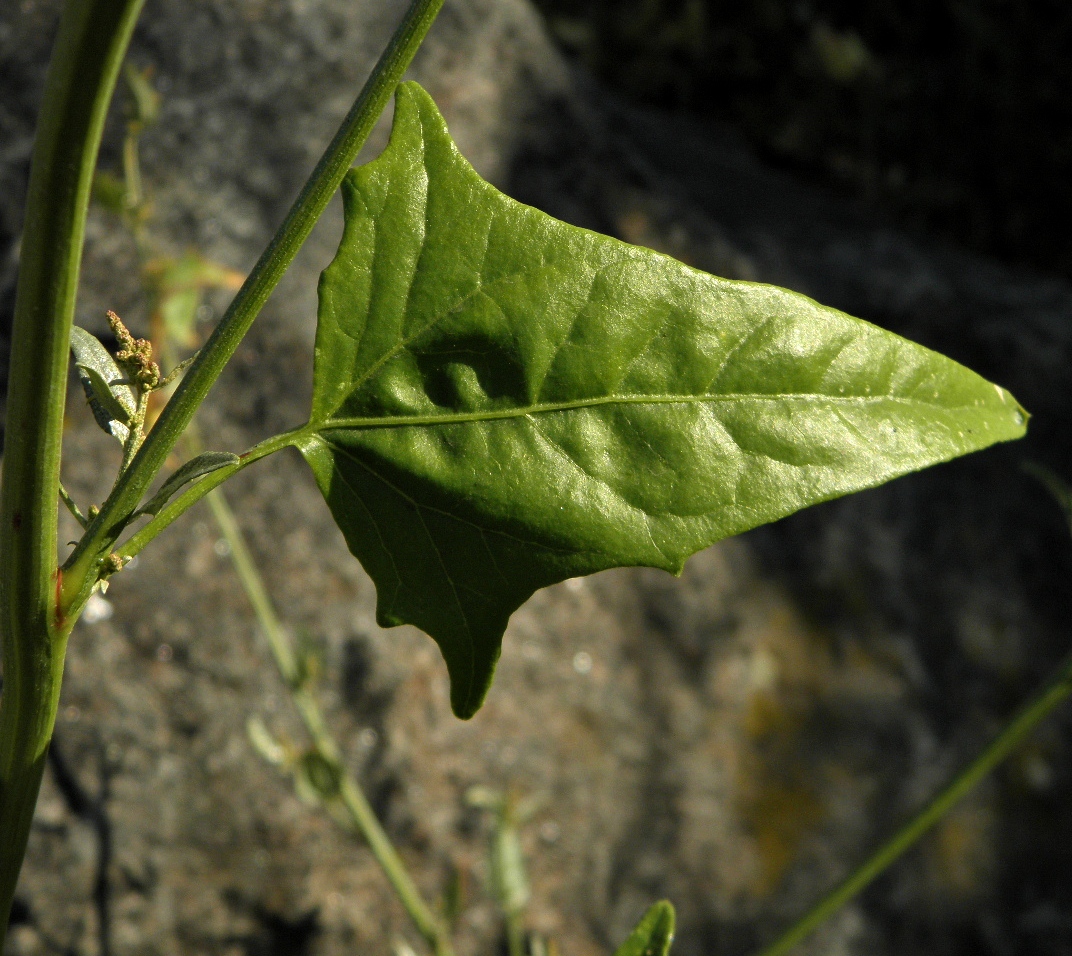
734, 740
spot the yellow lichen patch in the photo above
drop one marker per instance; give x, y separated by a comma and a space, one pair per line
788, 669
790, 682
780, 818
766, 717
960, 856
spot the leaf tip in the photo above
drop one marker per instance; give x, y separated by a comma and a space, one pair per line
653, 934
1017, 413
464, 710
468, 691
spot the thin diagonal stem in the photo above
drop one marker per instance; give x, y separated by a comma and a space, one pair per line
1015, 732
359, 816
81, 568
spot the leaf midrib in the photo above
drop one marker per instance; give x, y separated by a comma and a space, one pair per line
455, 418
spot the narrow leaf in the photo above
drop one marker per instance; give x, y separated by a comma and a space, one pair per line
260, 737
195, 468
112, 404
502, 401
653, 934
102, 394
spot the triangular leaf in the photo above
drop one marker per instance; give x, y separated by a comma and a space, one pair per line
195, 468
653, 934
112, 404
502, 401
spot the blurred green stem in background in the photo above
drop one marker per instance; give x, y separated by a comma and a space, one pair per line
1015, 732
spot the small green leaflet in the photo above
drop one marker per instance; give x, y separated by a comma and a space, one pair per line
502, 401
653, 934
112, 404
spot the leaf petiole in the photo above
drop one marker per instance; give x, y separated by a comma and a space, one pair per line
196, 490
176, 371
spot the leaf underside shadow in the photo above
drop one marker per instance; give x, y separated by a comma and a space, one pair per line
502, 401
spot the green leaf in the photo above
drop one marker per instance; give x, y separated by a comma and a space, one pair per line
502, 401
653, 935
112, 404
203, 464
261, 739
317, 777
101, 394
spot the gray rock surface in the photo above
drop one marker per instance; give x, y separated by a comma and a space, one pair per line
734, 740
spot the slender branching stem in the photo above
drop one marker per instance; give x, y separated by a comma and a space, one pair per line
104, 530
1014, 733
92, 40
193, 493
362, 820
351, 807
358, 815
515, 934
132, 168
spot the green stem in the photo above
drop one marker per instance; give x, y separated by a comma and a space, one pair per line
80, 569
132, 170
186, 499
254, 587
1025, 721
363, 821
92, 39
359, 815
515, 934
134, 429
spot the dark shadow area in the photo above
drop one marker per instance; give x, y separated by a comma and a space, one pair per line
954, 116
284, 937
92, 810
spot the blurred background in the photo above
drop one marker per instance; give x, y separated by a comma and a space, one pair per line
954, 116
736, 740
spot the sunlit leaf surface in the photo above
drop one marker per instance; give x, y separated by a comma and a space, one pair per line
503, 401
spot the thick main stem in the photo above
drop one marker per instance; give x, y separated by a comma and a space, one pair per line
90, 46
312, 201
1015, 733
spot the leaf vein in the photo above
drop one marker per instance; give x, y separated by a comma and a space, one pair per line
498, 414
